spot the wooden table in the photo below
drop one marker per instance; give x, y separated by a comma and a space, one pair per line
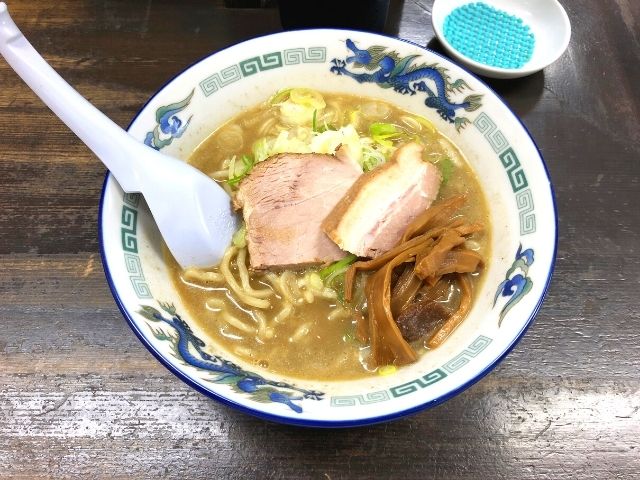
81, 397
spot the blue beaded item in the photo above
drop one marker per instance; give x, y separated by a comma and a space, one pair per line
489, 36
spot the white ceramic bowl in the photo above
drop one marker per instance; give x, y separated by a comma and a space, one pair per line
496, 144
548, 22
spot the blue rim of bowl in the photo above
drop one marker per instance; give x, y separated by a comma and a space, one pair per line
328, 423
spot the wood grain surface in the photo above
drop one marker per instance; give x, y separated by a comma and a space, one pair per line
80, 397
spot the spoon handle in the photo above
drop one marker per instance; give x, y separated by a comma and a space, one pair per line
106, 139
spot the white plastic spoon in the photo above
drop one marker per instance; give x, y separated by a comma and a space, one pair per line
193, 213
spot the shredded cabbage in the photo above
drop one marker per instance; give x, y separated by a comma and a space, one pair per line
304, 140
294, 141
295, 114
291, 142
425, 123
261, 149
301, 106
307, 97
354, 117
329, 140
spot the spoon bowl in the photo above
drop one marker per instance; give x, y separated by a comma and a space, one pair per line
192, 212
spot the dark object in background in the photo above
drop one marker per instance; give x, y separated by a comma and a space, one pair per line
370, 15
250, 3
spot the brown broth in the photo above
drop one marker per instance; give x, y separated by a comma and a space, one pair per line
326, 349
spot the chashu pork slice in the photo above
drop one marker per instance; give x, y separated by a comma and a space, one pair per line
371, 218
284, 201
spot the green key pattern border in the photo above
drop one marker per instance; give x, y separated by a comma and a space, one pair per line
128, 235
511, 163
452, 365
260, 63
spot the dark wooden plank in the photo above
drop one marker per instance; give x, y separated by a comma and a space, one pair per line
48, 202
60, 430
80, 397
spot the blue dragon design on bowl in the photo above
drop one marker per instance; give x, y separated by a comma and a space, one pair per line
389, 70
184, 343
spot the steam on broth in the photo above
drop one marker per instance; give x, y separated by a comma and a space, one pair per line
331, 321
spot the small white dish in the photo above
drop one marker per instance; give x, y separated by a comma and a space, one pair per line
547, 20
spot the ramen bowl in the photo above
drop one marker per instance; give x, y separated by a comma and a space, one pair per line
496, 145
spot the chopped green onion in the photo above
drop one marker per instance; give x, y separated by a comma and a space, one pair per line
371, 161
327, 126
316, 129
337, 267
280, 96
446, 169
369, 164
383, 133
381, 128
239, 238
245, 168
373, 157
